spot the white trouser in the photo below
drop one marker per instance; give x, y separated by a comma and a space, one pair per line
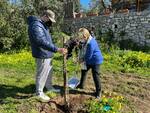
43, 74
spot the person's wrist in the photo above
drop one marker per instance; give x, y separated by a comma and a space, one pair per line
60, 50
56, 50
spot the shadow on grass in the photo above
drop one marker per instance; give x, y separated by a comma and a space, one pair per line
16, 92
74, 91
29, 91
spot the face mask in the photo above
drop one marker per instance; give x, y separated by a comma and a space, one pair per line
48, 23
82, 41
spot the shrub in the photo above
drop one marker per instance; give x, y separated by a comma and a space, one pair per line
127, 61
110, 103
136, 59
13, 25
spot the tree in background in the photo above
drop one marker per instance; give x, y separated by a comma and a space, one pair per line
77, 5
12, 27
96, 6
13, 20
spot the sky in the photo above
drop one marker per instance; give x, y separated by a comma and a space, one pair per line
85, 3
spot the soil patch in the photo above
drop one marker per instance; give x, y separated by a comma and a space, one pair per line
135, 89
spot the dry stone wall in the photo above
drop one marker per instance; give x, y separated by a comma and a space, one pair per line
135, 27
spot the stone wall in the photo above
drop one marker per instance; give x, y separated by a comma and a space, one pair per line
130, 26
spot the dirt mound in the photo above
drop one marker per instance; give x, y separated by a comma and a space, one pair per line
76, 104
135, 89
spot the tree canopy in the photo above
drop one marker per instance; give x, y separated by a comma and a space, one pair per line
13, 24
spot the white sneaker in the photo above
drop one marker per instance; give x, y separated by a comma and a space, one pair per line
53, 90
43, 97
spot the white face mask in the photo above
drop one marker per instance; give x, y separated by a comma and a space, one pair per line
82, 39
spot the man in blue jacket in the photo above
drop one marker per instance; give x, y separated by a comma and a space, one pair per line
91, 59
42, 50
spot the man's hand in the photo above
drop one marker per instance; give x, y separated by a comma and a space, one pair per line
62, 50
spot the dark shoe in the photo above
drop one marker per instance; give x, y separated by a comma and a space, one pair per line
98, 95
79, 87
53, 90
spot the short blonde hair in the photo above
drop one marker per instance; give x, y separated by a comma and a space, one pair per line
85, 32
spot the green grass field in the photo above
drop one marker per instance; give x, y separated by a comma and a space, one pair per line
17, 87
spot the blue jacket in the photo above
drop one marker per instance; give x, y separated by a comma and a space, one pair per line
93, 54
40, 39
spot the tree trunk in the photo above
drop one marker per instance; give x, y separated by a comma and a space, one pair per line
65, 78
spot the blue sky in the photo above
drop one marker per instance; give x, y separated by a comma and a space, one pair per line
85, 3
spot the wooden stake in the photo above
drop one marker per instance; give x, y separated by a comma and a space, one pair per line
65, 77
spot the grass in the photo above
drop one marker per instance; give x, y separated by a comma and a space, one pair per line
17, 83
127, 62
17, 80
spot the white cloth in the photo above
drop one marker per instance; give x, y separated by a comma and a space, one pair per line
82, 53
